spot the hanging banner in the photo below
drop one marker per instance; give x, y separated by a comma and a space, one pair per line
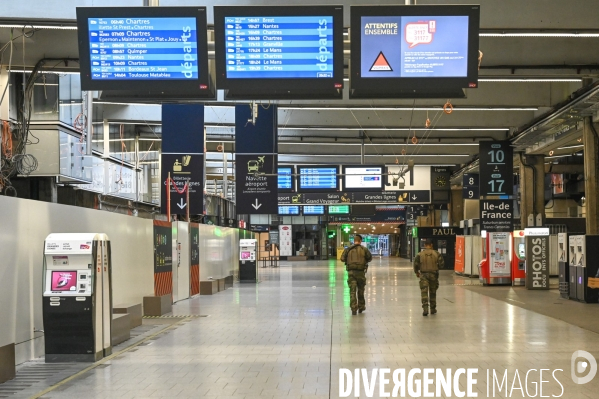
256, 160
285, 240
182, 156
460, 254
496, 168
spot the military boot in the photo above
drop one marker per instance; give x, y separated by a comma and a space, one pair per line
425, 312
433, 311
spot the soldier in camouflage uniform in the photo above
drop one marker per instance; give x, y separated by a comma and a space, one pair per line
426, 266
356, 260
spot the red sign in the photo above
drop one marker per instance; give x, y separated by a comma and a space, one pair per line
460, 254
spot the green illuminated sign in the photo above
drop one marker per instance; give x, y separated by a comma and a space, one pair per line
346, 228
338, 209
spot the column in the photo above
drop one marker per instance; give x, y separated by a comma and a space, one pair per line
591, 186
532, 189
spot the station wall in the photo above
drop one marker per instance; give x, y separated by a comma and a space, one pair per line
24, 225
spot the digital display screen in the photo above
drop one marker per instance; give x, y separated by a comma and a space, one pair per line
319, 178
64, 281
338, 209
143, 48
285, 180
246, 255
289, 210
414, 46
363, 177
279, 47
314, 210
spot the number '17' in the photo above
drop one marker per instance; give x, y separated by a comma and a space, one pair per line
500, 185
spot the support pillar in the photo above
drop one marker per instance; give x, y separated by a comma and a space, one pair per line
456, 210
532, 189
591, 177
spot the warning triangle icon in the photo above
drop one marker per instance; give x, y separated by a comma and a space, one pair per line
380, 64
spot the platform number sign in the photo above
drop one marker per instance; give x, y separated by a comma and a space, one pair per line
470, 188
496, 168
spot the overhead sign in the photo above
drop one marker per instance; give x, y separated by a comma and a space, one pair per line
413, 212
256, 172
183, 156
537, 262
497, 215
470, 186
256, 184
184, 169
380, 197
496, 168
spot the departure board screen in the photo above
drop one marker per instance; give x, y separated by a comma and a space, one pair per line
363, 177
279, 47
318, 178
147, 48
289, 210
313, 210
285, 179
338, 209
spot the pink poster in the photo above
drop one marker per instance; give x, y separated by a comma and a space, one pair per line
64, 281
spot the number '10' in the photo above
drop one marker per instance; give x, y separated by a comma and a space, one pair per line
498, 156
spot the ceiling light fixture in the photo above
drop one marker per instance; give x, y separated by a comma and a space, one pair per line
530, 80
571, 146
406, 109
36, 26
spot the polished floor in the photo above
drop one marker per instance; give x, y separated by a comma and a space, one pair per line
289, 336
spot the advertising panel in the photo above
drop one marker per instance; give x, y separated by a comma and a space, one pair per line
500, 259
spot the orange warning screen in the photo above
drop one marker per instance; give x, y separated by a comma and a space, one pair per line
399, 47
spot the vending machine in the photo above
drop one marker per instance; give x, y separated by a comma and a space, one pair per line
563, 265
519, 258
495, 269
248, 272
585, 265
77, 297
572, 268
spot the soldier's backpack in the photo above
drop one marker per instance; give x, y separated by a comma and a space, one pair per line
356, 256
428, 261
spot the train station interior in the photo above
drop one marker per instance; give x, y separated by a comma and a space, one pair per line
182, 186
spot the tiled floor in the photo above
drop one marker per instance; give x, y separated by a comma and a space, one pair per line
288, 336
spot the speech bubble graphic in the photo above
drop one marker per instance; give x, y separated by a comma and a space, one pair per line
419, 32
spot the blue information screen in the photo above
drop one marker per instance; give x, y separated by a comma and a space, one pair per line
143, 48
404, 47
279, 47
318, 178
289, 210
285, 180
314, 210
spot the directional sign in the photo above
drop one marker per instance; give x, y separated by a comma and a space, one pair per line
497, 216
339, 198
470, 187
496, 168
184, 168
256, 172
413, 211
256, 184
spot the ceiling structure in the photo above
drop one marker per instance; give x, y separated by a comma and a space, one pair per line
536, 53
